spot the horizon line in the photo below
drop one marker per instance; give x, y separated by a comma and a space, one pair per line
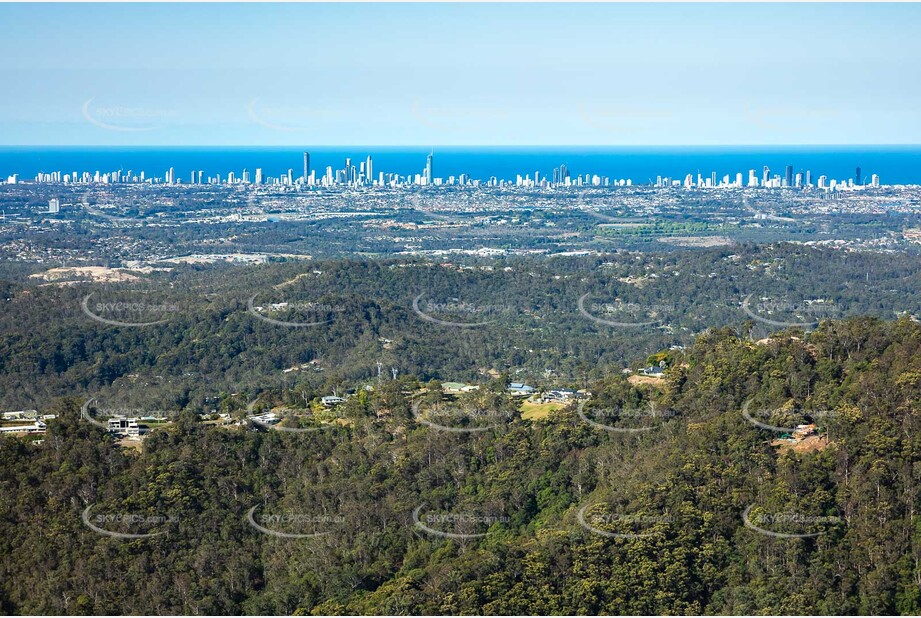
428, 147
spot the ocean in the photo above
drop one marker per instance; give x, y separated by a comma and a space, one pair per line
894, 164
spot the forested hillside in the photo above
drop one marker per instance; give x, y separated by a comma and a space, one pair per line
553, 322
701, 509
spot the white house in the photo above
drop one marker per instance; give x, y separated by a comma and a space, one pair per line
561, 395
127, 427
269, 418
36, 427
19, 415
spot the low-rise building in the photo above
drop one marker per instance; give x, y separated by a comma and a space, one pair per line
562, 395
519, 389
803, 431
126, 427
36, 427
19, 415
269, 418
452, 388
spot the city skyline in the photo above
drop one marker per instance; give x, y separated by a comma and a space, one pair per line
391, 74
362, 175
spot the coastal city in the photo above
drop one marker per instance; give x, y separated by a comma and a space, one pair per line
243, 216
362, 174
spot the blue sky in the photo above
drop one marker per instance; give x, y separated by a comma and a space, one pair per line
452, 74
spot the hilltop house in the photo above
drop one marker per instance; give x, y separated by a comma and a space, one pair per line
803, 431
36, 427
269, 418
560, 395
452, 388
519, 389
20, 415
126, 427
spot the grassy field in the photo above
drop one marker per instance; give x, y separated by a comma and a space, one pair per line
538, 411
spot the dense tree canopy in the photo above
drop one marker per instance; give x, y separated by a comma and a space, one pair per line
549, 516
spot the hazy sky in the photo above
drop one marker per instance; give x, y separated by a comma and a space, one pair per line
496, 74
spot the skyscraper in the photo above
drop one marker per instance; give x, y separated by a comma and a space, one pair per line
369, 170
766, 175
857, 176
428, 167
306, 166
789, 176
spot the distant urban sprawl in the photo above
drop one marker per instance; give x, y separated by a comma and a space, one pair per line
355, 174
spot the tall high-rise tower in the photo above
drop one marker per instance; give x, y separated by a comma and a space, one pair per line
789, 176
306, 166
857, 177
428, 167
